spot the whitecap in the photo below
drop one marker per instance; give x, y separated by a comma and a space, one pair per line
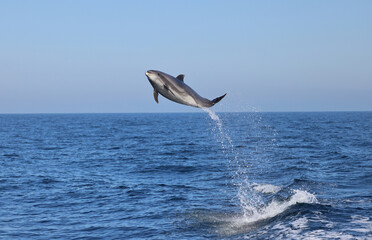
265, 188
245, 222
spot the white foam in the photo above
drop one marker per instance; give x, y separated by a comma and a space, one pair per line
297, 232
300, 223
275, 207
239, 224
299, 229
363, 224
265, 188
291, 231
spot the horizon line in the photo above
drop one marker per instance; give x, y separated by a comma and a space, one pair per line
56, 113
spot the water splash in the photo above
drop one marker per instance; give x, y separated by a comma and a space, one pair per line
238, 166
254, 208
225, 139
242, 223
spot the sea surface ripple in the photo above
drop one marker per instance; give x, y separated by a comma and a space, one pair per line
186, 176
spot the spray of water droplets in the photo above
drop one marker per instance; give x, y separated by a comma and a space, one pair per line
249, 194
238, 166
249, 155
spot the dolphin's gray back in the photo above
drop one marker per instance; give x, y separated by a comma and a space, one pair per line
184, 90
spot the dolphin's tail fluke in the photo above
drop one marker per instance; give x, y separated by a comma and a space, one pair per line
216, 100
208, 103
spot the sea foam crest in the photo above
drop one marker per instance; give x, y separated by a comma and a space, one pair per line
253, 209
265, 188
276, 207
245, 222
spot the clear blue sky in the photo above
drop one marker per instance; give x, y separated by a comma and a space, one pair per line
91, 56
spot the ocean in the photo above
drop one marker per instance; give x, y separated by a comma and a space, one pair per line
186, 176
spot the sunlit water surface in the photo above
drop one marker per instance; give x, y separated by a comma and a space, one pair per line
186, 176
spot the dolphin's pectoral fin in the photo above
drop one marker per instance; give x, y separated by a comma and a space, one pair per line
180, 77
156, 94
167, 88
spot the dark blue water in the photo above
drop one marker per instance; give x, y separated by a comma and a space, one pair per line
186, 176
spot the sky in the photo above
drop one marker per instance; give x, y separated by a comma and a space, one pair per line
91, 56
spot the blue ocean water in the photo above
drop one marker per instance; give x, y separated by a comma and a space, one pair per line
186, 176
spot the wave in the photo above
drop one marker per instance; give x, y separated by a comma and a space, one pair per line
300, 229
259, 216
228, 224
255, 211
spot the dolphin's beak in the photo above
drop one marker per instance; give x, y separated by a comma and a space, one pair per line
148, 77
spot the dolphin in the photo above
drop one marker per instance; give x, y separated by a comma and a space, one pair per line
176, 90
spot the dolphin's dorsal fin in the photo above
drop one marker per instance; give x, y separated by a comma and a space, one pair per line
156, 94
180, 77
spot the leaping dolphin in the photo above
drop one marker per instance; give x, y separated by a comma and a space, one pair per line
176, 90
